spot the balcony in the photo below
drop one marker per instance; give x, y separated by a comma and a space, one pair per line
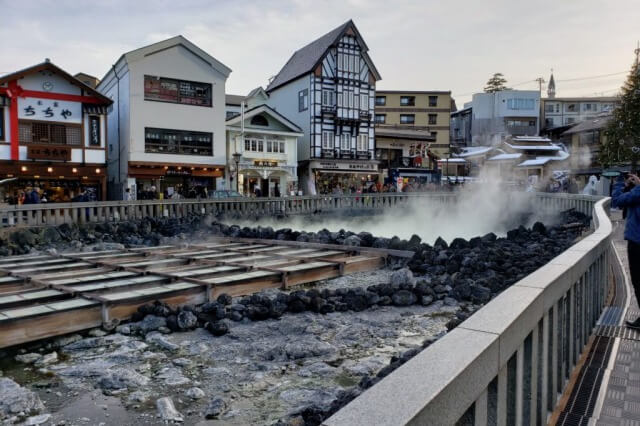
329, 110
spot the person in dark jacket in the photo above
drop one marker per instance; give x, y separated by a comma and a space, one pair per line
626, 194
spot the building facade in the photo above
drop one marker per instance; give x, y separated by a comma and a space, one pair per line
52, 136
585, 140
429, 111
558, 112
327, 89
460, 132
167, 127
265, 147
495, 116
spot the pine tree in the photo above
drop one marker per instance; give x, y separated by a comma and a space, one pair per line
622, 145
496, 83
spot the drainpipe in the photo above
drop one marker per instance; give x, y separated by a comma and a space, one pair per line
118, 112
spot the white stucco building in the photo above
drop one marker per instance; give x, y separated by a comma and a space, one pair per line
267, 149
52, 135
167, 124
498, 115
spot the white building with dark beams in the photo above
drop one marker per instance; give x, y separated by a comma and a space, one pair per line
327, 88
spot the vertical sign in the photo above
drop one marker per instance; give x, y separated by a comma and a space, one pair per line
94, 130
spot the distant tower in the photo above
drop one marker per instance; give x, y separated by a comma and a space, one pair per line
551, 89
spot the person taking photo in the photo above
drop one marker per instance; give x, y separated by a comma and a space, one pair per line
626, 195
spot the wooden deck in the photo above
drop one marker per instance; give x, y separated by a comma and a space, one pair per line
48, 295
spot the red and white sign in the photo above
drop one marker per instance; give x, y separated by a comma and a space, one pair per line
49, 110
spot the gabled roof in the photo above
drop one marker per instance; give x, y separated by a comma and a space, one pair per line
501, 157
264, 109
48, 66
307, 59
589, 125
233, 99
178, 40
258, 90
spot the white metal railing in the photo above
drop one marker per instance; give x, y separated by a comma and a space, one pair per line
510, 361
113, 211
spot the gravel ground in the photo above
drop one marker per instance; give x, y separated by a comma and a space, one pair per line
258, 373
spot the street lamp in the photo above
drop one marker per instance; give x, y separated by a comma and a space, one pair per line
236, 159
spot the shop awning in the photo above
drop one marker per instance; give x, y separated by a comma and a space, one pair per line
94, 109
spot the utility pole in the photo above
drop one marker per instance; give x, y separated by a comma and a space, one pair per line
540, 81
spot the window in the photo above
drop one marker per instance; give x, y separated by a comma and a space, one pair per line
168, 141
433, 101
407, 118
339, 99
281, 147
177, 91
327, 139
328, 98
269, 146
572, 108
520, 103
260, 145
363, 143
549, 107
231, 114
345, 142
589, 107
381, 100
364, 102
433, 118
356, 101
45, 133
532, 123
2, 136
352, 63
259, 120
380, 118
570, 120
435, 135
407, 100
350, 100
303, 100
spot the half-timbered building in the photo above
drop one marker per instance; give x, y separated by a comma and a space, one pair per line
327, 88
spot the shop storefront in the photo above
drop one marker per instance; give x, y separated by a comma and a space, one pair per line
155, 181
52, 137
332, 176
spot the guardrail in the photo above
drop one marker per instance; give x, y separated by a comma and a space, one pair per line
510, 361
107, 211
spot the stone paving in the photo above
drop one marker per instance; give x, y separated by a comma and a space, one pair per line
621, 405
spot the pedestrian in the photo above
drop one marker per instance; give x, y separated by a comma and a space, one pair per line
626, 194
127, 194
276, 191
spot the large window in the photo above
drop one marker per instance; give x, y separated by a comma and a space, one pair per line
407, 118
433, 101
363, 143
364, 102
328, 98
177, 91
345, 142
168, 141
407, 100
327, 139
549, 107
303, 100
49, 133
520, 103
380, 118
260, 144
433, 119
381, 100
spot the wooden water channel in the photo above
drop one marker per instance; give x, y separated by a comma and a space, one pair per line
48, 295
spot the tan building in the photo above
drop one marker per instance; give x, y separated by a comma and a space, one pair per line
416, 110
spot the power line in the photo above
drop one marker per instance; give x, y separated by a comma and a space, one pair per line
593, 77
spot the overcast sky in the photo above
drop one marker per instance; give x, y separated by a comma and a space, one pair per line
416, 45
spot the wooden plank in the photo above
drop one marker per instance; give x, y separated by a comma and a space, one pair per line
66, 266
54, 324
123, 310
97, 277
239, 277
243, 289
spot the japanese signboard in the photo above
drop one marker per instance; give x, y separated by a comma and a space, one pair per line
364, 166
44, 152
49, 110
94, 130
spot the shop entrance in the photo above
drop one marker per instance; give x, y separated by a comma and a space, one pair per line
50, 191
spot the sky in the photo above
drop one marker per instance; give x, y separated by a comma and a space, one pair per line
451, 45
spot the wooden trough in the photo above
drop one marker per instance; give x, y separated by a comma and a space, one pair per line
49, 295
